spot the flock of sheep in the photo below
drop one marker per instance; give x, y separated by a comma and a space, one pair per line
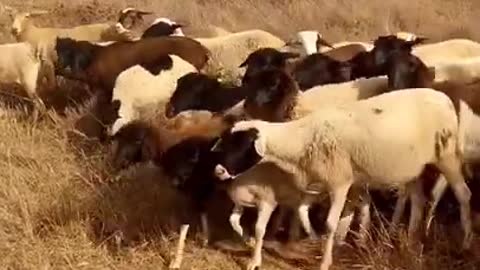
304, 118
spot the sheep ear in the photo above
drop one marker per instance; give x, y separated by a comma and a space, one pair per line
260, 145
322, 42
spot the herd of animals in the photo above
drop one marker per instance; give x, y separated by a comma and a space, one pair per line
305, 118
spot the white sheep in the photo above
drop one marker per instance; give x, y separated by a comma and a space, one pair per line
342, 146
229, 51
20, 64
136, 89
447, 51
24, 30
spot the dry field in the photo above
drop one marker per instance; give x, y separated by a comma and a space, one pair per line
62, 208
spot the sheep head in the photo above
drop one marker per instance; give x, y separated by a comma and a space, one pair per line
263, 59
131, 17
22, 21
238, 150
134, 143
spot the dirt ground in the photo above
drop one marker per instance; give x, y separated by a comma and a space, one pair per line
61, 207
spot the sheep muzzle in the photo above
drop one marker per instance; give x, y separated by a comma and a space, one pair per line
221, 173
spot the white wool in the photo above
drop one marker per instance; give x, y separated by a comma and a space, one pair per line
352, 126
407, 36
309, 39
340, 93
20, 64
447, 51
229, 51
464, 70
367, 46
137, 88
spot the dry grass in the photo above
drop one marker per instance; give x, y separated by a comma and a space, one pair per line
62, 208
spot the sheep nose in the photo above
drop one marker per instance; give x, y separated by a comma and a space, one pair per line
14, 31
222, 173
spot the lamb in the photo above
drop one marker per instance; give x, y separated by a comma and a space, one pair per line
25, 31
20, 64
196, 91
326, 136
229, 51
155, 90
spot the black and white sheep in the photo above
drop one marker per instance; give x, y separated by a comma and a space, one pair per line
334, 150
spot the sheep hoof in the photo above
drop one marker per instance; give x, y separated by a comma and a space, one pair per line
174, 265
467, 241
254, 264
250, 242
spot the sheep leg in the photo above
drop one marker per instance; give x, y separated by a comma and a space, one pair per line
278, 220
344, 226
358, 197
265, 211
437, 192
39, 108
305, 220
234, 219
399, 208
364, 206
175, 264
205, 230
29, 81
417, 198
295, 227
451, 168
338, 198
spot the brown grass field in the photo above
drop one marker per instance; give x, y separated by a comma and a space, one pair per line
62, 208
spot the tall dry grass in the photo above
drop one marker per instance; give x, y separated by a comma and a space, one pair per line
61, 207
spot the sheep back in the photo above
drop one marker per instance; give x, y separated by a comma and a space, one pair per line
136, 88
229, 51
